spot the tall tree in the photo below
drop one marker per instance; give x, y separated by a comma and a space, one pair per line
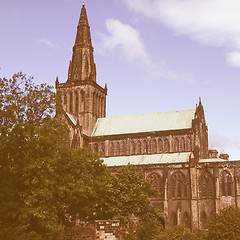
225, 225
42, 181
128, 193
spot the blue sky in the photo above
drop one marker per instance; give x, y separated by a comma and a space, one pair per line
154, 55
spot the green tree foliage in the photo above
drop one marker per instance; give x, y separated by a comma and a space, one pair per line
45, 185
177, 233
128, 193
149, 229
225, 225
42, 181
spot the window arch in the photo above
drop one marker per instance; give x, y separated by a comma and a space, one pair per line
118, 149
206, 185
76, 102
139, 147
145, 147
103, 149
157, 183
182, 144
123, 148
133, 147
179, 186
167, 148
160, 145
189, 144
154, 146
176, 145
226, 183
82, 101
112, 149
71, 102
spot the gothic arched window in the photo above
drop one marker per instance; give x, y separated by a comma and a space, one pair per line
103, 149
206, 185
189, 145
118, 149
123, 148
76, 102
182, 144
167, 148
138, 147
145, 147
226, 183
71, 102
179, 185
112, 149
132, 148
82, 101
160, 145
154, 147
157, 183
176, 145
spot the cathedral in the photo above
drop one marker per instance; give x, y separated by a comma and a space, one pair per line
171, 148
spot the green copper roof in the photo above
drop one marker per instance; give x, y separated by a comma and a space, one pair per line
144, 123
147, 159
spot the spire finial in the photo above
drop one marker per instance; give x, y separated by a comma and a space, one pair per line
83, 2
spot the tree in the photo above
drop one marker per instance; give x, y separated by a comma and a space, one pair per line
128, 193
43, 183
225, 225
177, 233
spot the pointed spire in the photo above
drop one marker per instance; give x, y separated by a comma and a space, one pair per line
83, 33
82, 66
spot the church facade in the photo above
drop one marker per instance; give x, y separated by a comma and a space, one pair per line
170, 147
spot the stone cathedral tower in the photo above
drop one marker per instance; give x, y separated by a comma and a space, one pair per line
83, 100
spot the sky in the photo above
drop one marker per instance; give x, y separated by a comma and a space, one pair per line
154, 55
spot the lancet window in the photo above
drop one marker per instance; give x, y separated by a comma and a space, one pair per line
182, 144
154, 146
157, 183
161, 145
206, 185
167, 148
138, 147
145, 147
133, 148
179, 185
226, 183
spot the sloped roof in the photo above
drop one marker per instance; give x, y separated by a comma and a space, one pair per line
144, 123
147, 159
72, 119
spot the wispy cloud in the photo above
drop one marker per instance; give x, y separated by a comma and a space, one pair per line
221, 142
46, 42
211, 22
128, 40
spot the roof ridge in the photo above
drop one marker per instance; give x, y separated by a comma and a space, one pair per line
145, 114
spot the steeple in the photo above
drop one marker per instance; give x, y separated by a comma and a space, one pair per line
82, 66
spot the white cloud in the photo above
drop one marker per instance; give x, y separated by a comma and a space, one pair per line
221, 142
211, 22
46, 42
233, 58
128, 39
